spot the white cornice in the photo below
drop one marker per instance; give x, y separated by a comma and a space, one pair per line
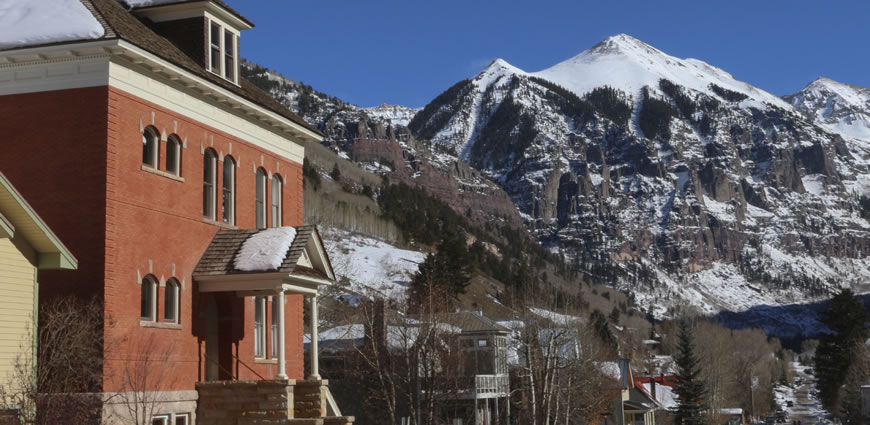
213, 91
44, 69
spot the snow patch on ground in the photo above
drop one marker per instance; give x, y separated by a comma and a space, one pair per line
34, 22
557, 318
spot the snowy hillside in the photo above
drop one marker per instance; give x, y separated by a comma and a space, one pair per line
395, 114
371, 267
628, 64
841, 108
676, 183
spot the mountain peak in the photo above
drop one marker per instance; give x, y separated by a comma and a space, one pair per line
622, 43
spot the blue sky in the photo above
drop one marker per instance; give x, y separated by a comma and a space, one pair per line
408, 51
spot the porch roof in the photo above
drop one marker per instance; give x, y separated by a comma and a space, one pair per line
302, 268
219, 258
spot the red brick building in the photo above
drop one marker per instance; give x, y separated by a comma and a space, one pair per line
144, 149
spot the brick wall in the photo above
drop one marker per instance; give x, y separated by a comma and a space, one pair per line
155, 226
76, 156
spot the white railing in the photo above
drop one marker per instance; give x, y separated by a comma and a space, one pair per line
492, 385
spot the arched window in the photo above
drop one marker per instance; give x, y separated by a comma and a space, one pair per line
229, 193
276, 200
173, 155
149, 298
261, 198
150, 147
208, 184
171, 301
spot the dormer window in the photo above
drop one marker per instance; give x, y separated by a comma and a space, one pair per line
222, 51
229, 55
216, 32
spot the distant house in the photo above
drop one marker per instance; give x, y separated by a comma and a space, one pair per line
27, 248
479, 382
484, 365
635, 406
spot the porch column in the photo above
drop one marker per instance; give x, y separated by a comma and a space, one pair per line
282, 360
315, 351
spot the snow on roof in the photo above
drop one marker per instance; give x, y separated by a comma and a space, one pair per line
611, 369
265, 250
29, 22
730, 411
664, 395
144, 3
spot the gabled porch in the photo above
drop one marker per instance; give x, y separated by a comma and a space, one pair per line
262, 273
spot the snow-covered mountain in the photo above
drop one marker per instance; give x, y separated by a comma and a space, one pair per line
667, 177
839, 108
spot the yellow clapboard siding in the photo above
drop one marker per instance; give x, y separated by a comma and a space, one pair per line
16, 305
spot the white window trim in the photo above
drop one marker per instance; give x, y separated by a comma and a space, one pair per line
274, 327
175, 287
264, 192
186, 417
212, 212
230, 208
224, 29
260, 333
165, 419
149, 280
173, 139
277, 201
155, 150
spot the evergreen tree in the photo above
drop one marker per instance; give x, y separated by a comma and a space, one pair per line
448, 269
847, 318
335, 173
689, 388
602, 328
614, 316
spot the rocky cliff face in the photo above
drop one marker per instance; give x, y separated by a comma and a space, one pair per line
669, 178
378, 139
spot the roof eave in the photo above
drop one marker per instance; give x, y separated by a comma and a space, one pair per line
224, 13
60, 257
209, 89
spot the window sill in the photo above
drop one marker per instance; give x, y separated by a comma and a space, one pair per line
266, 361
218, 223
160, 325
170, 176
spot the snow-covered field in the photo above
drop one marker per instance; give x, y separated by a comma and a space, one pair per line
805, 404
371, 267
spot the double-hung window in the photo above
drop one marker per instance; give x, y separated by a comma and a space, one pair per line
215, 47
229, 201
223, 48
173, 156
208, 184
171, 301
150, 147
275, 301
260, 198
260, 327
276, 200
149, 299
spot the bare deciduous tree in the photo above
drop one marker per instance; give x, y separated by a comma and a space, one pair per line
69, 357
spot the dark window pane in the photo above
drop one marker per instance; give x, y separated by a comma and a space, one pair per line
215, 47
172, 152
229, 55
261, 198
